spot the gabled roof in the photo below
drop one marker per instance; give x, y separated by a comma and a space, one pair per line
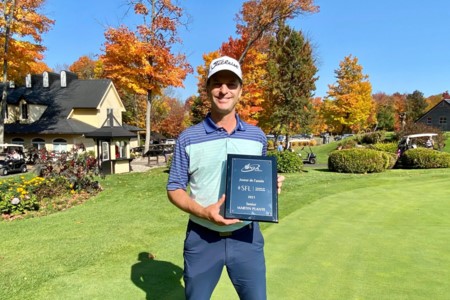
445, 102
60, 101
110, 128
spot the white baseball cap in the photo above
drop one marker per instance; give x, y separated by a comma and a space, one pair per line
225, 63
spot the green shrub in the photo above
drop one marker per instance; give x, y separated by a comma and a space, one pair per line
423, 158
387, 147
347, 143
287, 161
169, 161
373, 137
358, 160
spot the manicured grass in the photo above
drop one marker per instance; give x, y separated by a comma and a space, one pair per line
340, 236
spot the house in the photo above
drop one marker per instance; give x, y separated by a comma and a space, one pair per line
59, 111
438, 116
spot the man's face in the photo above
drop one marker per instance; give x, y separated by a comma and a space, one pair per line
224, 90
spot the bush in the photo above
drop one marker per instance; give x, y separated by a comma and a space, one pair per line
373, 137
359, 160
287, 161
61, 183
347, 143
423, 158
387, 147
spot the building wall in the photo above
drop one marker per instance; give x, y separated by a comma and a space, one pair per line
71, 140
89, 116
438, 116
111, 100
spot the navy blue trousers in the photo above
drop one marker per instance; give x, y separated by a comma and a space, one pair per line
206, 252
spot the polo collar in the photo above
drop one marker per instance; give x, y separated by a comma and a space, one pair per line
210, 126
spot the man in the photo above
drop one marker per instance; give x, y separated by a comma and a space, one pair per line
199, 161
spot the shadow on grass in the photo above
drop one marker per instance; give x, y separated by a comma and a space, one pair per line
158, 279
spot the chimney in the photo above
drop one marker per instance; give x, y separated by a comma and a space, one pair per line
48, 78
28, 81
67, 77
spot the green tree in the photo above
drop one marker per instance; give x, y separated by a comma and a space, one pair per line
349, 106
385, 109
415, 106
291, 82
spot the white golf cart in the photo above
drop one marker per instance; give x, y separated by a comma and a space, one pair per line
425, 140
12, 159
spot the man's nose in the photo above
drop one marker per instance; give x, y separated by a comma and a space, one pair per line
224, 88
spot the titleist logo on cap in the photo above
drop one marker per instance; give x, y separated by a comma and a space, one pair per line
222, 62
225, 63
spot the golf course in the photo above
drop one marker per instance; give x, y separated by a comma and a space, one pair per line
340, 236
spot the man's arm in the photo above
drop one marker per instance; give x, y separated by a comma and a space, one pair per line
181, 199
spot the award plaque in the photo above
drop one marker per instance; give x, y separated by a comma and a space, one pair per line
251, 192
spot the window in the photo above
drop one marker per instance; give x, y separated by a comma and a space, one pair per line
59, 145
18, 141
24, 111
429, 121
443, 120
105, 151
38, 143
121, 148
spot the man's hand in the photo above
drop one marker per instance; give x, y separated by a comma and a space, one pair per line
212, 213
280, 180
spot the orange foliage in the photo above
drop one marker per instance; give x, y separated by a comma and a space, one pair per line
171, 116
258, 18
25, 52
84, 67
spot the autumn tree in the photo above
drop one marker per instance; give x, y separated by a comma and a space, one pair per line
415, 106
21, 29
433, 100
291, 83
349, 105
171, 116
87, 68
256, 24
24, 41
142, 61
258, 18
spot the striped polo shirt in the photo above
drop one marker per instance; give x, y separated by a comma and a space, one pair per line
200, 157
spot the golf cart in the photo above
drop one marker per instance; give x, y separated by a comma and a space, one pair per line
412, 141
12, 159
310, 156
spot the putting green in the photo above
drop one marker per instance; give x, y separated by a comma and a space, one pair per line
365, 243
390, 241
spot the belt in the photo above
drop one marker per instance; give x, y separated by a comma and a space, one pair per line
198, 227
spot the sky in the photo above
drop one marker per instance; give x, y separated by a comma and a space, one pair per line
402, 45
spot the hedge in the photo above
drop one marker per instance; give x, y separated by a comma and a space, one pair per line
423, 158
360, 160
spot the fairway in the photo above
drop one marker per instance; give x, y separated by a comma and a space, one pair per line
340, 236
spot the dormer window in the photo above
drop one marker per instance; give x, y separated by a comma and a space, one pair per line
23, 110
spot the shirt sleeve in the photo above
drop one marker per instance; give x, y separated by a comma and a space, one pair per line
179, 168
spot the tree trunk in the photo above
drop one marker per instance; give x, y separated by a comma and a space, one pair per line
148, 128
8, 20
